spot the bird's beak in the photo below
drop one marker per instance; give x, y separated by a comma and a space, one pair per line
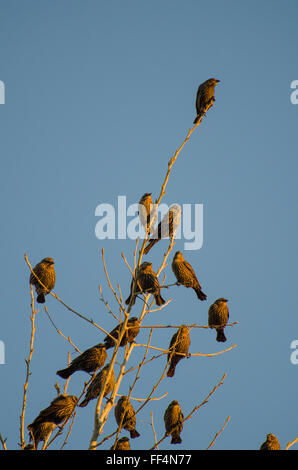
217, 81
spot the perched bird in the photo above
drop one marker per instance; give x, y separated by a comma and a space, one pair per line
133, 328
173, 419
96, 386
218, 316
60, 410
89, 361
148, 281
205, 97
125, 413
122, 444
147, 211
46, 274
39, 432
166, 227
271, 443
185, 275
179, 344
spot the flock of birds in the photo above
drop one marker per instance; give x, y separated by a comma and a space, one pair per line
145, 281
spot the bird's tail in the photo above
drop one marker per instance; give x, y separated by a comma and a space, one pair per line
158, 299
171, 370
65, 373
128, 300
151, 243
84, 403
176, 439
41, 299
134, 433
220, 337
200, 294
109, 343
197, 118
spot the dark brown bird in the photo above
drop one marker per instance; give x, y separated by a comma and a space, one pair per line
205, 97
218, 317
46, 274
133, 328
60, 410
185, 275
147, 211
179, 344
125, 413
89, 361
173, 419
122, 444
148, 281
271, 443
40, 432
97, 384
166, 227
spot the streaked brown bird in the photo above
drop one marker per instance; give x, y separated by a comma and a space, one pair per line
185, 275
173, 419
40, 432
205, 97
218, 317
122, 444
124, 412
147, 211
89, 361
148, 281
166, 227
97, 384
46, 274
133, 328
180, 343
271, 443
60, 410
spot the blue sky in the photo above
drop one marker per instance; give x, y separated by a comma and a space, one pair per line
98, 97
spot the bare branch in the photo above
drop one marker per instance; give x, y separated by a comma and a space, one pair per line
218, 433
28, 373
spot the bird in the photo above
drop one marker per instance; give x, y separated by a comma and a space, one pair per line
60, 410
133, 328
173, 418
147, 211
218, 316
205, 97
122, 444
185, 275
180, 343
166, 227
89, 361
46, 274
146, 281
271, 443
39, 432
97, 384
125, 415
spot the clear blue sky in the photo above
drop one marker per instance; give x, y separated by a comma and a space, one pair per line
98, 96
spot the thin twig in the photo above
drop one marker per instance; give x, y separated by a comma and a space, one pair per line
60, 332
3, 442
291, 443
218, 433
28, 373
